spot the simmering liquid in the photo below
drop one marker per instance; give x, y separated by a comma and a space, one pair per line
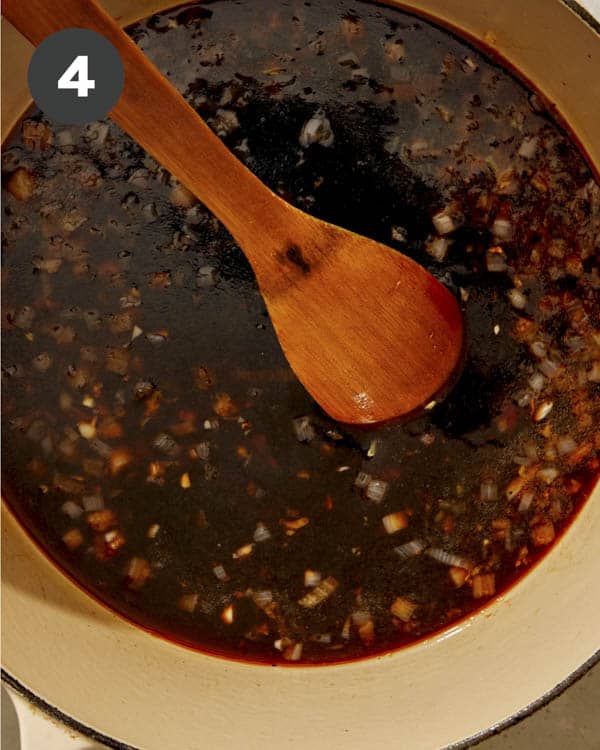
157, 444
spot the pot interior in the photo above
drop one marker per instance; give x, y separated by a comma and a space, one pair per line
578, 112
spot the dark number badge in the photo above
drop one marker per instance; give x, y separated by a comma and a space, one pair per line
76, 76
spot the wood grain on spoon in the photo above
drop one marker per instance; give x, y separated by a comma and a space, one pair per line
369, 333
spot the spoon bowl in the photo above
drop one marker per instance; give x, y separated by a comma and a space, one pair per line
369, 332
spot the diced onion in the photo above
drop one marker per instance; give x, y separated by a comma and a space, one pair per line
443, 223
566, 445
543, 533
514, 487
362, 479
539, 349
244, 551
293, 652
360, 617
502, 229
458, 575
349, 59
496, 262
303, 429
488, 491
526, 501
21, 184
394, 522
542, 411
376, 490
469, 65
549, 367
536, 381
530, 449
447, 558
92, 503
71, 509
320, 592
42, 362
366, 632
138, 571
203, 450
261, 533
262, 598
119, 458
484, 584
438, 248
517, 299
372, 449
321, 638
188, 602
548, 474
73, 539
410, 549
220, 573
528, 147
311, 577
345, 634
403, 608
316, 130
167, 445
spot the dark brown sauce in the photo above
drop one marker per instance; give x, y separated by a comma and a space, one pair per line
129, 314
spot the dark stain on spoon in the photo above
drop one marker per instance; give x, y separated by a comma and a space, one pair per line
294, 255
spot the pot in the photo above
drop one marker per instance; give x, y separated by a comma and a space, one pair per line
126, 687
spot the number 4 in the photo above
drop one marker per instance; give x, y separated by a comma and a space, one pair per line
76, 77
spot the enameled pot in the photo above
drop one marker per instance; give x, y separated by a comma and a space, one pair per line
130, 688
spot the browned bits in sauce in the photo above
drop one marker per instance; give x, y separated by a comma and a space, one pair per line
155, 440
101, 520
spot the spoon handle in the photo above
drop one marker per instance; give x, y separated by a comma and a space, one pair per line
155, 114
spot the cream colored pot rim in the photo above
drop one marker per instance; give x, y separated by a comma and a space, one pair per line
77, 659
57, 715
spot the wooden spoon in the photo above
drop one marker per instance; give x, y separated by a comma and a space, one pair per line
369, 333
